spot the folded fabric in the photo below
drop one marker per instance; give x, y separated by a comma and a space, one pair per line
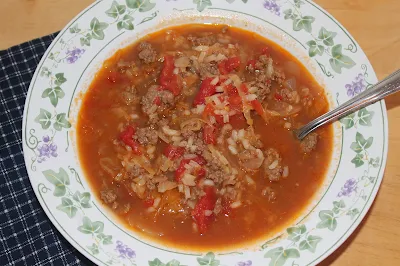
27, 237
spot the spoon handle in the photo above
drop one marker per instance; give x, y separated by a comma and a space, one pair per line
387, 86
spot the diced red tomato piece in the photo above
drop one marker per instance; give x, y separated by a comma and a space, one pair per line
157, 101
200, 160
235, 102
206, 90
173, 152
208, 110
127, 137
181, 169
209, 134
231, 90
252, 63
278, 97
244, 88
168, 79
200, 173
148, 202
258, 107
206, 202
228, 65
238, 121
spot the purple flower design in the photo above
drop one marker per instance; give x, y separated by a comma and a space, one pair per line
357, 86
272, 6
73, 55
46, 150
244, 263
349, 187
124, 251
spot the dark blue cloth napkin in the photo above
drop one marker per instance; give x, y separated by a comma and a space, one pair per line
27, 237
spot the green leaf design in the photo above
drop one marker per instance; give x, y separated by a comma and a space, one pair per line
60, 79
157, 262
106, 239
90, 227
365, 117
315, 49
83, 199
326, 36
125, 23
202, 4
348, 121
142, 5
271, 241
303, 23
374, 162
45, 72
289, 14
97, 29
361, 143
279, 255
44, 119
295, 233
68, 207
353, 213
74, 29
174, 263
153, 15
61, 122
310, 243
53, 94
338, 205
328, 220
86, 40
298, 3
339, 61
208, 259
116, 10
94, 249
358, 160
60, 180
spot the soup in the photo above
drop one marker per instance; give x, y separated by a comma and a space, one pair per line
186, 136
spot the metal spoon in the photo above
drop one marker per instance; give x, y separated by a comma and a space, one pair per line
387, 86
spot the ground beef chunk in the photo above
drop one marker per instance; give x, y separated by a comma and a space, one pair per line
134, 171
279, 75
153, 181
264, 89
146, 135
208, 69
265, 72
309, 143
147, 53
108, 196
290, 96
148, 101
206, 40
197, 145
272, 165
249, 159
